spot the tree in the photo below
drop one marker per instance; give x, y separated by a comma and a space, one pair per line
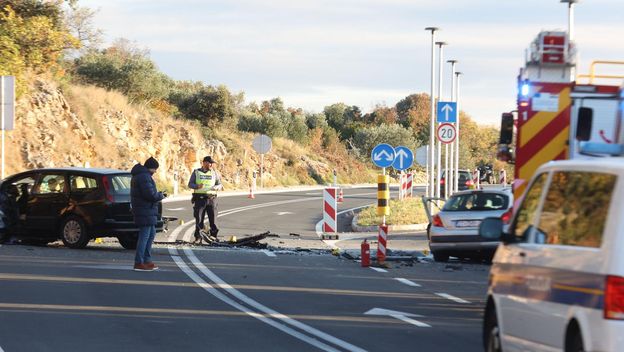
127, 68
414, 111
383, 114
79, 20
365, 139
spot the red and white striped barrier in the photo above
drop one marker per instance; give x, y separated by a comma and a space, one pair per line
408, 186
476, 178
330, 213
503, 177
382, 240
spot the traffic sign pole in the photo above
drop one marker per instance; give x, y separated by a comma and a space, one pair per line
431, 151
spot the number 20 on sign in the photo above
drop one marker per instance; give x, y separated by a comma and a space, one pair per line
446, 133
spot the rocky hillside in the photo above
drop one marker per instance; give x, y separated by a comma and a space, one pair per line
89, 126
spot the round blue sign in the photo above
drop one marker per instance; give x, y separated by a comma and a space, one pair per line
383, 155
403, 158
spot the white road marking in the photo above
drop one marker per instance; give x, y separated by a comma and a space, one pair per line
175, 209
407, 282
452, 298
274, 314
213, 291
268, 253
280, 213
379, 270
398, 315
314, 194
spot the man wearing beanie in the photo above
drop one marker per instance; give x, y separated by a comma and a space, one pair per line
144, 199
205, 182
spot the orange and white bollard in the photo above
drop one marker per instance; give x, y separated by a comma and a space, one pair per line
365, 253
340, 196
381, 244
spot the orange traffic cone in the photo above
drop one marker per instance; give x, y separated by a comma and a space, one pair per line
340, 196
251, 194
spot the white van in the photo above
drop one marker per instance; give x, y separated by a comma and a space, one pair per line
557, 279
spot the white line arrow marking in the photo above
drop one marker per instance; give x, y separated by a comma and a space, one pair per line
401, 154
398, 315
445, 109
381, 154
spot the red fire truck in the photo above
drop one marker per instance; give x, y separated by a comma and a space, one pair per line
559, 112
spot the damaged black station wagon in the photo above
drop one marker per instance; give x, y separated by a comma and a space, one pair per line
71, 204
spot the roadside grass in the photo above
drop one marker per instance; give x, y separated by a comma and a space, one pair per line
405, 212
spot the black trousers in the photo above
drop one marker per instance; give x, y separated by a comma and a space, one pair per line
203, 205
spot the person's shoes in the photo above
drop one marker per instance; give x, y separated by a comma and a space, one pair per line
142, 267
151, 265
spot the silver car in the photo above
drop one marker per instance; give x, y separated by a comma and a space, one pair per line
454, 231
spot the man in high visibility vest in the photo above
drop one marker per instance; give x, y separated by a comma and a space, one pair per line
205, 182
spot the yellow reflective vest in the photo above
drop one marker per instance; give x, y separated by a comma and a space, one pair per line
208, 179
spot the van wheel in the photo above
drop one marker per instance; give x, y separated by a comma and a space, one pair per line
491, 332
440, 257
128, 242
74, 232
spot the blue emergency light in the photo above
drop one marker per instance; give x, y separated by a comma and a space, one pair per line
524, 89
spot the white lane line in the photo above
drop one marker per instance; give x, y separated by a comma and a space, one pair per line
452, 298
213, 291
175, 209
268, 253
379, 270
274, 314
407, 282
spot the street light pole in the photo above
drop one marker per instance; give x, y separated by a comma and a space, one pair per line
457, 74
453, 166
431, 151
439, 144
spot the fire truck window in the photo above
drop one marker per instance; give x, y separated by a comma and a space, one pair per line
575, 209
526, 213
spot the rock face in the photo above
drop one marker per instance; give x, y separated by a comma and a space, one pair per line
88, 126
49, 132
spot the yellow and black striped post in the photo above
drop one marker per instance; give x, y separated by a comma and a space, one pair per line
383, 195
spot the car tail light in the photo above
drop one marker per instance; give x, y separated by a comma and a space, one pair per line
107, 188
437, 221
614, 298
507, 216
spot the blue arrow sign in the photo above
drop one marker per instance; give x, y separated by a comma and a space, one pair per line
447, 112
383, 155
403, 158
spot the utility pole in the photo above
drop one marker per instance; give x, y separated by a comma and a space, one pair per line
452, 178
431, 151
439, 144
457, 74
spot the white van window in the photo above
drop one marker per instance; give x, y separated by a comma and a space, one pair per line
526, 213
575, 209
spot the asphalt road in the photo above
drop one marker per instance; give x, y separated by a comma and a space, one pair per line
205, 298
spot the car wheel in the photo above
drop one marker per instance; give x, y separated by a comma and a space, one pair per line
128, 242
439, 257
491, 332
74, 232
574, 343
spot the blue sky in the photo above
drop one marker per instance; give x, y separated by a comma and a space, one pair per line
314, 53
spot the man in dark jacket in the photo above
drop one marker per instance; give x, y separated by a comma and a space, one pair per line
144, 199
